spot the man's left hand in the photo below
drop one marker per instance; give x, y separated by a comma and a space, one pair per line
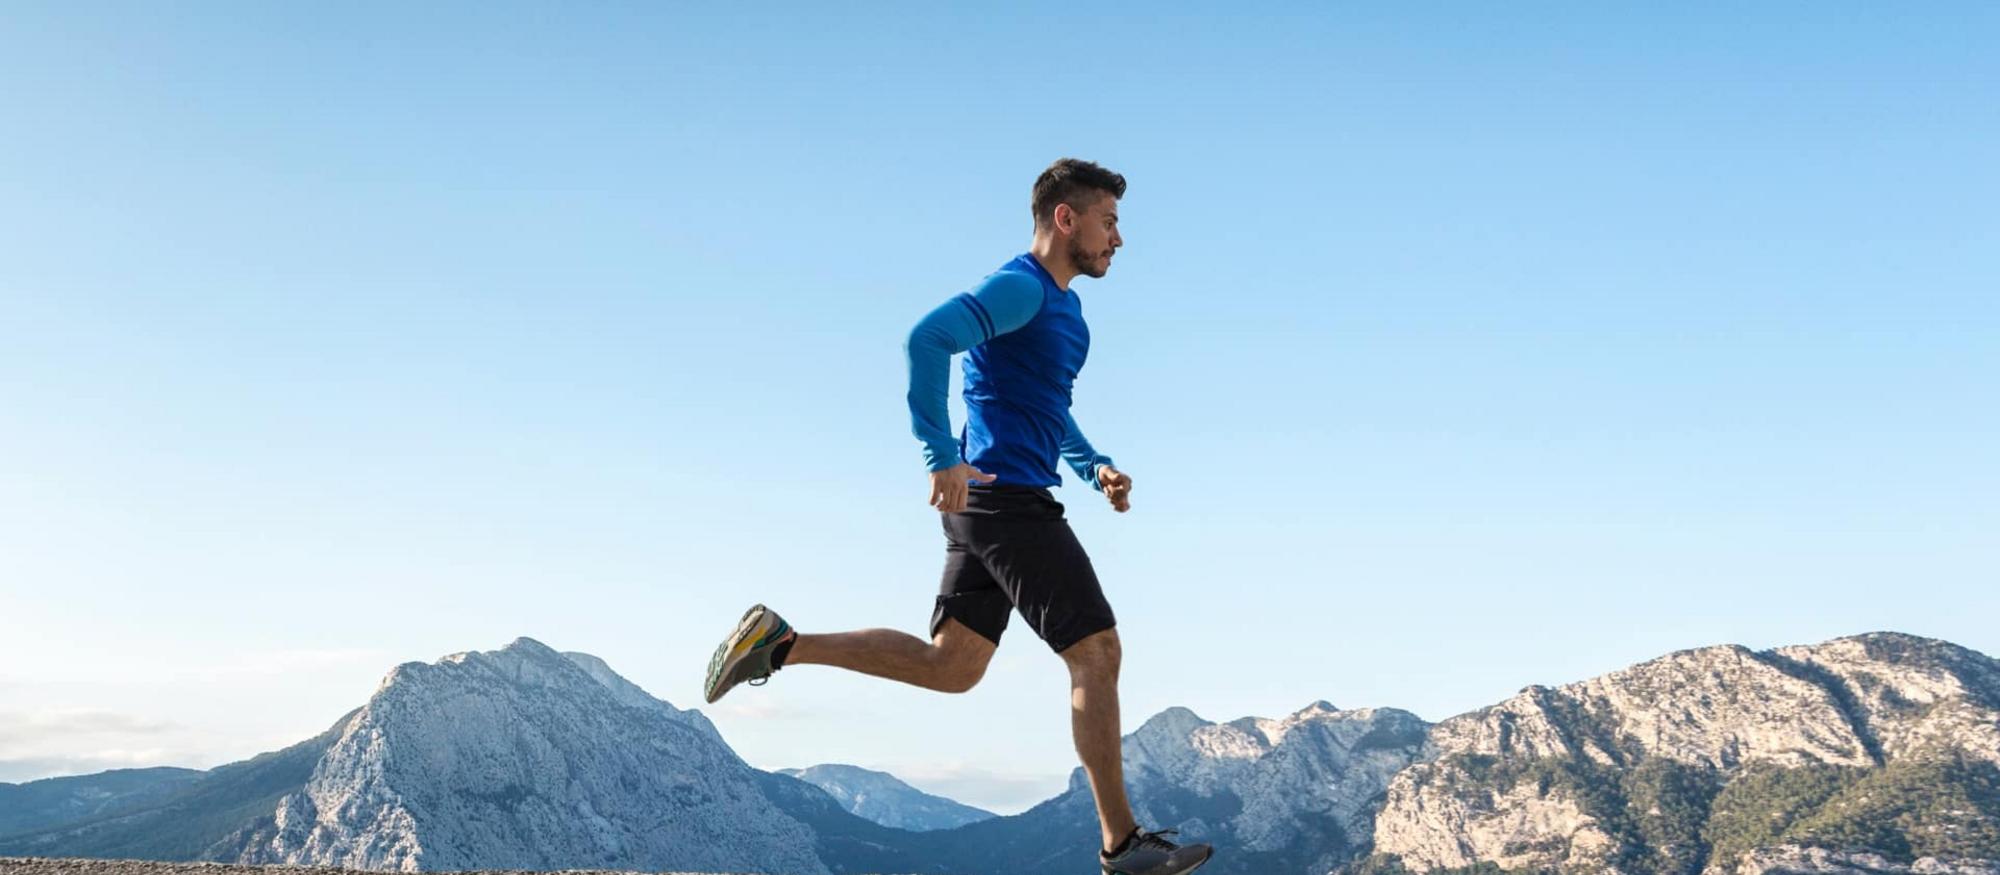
1117, 487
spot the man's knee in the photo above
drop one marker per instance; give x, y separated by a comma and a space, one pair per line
960, 676
1097, 652
961, 655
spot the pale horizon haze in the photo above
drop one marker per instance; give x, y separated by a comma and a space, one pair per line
1453, 348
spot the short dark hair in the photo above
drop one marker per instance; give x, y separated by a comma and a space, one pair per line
1066, 182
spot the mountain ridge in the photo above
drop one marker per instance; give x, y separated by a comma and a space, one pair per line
1545, 779
885, 799
1870, 750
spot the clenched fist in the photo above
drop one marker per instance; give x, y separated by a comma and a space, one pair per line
1117, 487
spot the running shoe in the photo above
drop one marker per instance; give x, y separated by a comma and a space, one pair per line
1150, 853
746, 654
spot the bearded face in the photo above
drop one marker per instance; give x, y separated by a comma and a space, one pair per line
1095, 238
1089, 261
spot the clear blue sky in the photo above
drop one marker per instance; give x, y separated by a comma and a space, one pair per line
1453, 349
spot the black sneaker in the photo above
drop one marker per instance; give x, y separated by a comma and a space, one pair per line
1149, 853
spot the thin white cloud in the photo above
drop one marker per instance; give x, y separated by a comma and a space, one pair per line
25, 769
268, 663
239, 665
756, 710
49, 742
22, 730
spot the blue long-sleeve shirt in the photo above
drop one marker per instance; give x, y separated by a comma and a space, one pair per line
1026, 342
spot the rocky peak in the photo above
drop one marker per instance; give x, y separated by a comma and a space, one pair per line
1907, 694
524, 758
1295, 793
883, 798
1715, 706
631, 694
1538, 781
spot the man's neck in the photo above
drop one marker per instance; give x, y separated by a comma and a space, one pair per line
1060, 269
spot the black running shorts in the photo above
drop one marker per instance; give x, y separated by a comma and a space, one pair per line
1011, 549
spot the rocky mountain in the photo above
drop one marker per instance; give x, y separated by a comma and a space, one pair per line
882, 798
192, 823
35, 805
1872, 755
1294, 794
1795, 860
526, 758
1720, 759
522, 758
631, 694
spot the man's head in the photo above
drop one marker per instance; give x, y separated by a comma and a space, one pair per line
1076, 208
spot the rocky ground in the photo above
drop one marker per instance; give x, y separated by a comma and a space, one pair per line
45, 866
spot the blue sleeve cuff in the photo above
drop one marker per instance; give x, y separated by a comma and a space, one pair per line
1081, 456
1087, 471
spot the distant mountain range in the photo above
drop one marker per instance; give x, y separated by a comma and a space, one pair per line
882, 798
42, 804
1873, 754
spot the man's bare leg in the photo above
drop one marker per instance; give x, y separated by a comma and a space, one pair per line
1093, 703
953, 662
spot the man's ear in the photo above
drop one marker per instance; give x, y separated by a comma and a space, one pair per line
1065, 218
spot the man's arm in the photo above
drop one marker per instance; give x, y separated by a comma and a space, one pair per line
1081, 456
1003, 302
1094, 467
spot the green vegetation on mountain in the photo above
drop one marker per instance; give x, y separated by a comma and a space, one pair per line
1667, 818
1936, 805
1761, 806
51, 802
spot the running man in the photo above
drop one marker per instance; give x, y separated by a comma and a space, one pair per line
1007, 545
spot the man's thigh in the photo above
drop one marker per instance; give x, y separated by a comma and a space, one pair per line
967, 591
1044, 571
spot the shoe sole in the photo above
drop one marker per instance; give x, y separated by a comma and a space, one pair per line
1106, 870
1201, 862
721, 664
